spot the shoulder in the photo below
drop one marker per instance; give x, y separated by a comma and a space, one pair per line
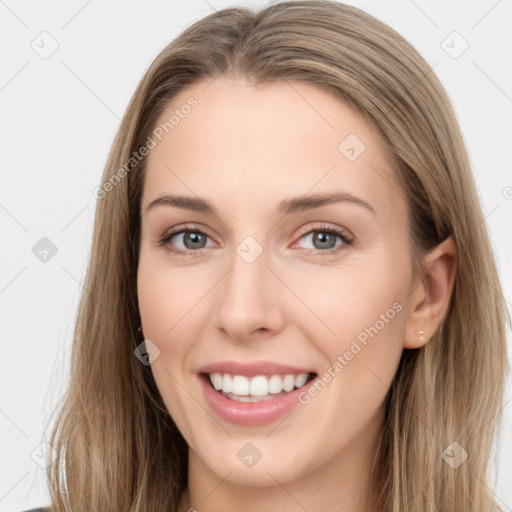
36, 510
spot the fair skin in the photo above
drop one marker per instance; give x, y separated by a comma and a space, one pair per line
244, 149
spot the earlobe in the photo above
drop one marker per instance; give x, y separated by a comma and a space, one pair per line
430, 298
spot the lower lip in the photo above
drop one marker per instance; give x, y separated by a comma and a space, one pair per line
249, 413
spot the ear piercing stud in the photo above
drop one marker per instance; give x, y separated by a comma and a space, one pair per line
420, 335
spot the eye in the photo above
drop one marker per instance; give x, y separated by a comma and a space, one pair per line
191, 240
324, 239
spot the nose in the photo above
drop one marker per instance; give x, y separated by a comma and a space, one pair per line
249, 300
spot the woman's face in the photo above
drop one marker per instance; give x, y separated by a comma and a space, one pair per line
274, 275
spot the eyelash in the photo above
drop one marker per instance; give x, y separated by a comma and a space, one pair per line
347, 241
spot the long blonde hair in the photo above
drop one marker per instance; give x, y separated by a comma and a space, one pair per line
118, 449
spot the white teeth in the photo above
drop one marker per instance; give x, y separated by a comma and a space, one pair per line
259, 386
288, 382
300, 380
275, 384
227, 383
240, 385
244, 388
216, 379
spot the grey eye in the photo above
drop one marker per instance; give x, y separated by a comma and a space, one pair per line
192, 239
321, 239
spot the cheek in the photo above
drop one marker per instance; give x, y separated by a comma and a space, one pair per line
169, 298
366, 312
170, 308
357, 302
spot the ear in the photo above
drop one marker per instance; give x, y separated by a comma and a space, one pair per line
430, 295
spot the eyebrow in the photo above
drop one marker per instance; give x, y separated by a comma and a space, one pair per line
286, 207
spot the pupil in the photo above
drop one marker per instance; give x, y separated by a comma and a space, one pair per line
194, 238
322, 238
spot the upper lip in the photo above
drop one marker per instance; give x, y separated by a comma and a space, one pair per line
253, 368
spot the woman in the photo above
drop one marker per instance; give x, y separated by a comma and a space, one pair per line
291, 302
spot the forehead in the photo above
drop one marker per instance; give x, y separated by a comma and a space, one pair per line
249, 146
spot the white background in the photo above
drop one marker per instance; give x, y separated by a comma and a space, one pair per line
59, 117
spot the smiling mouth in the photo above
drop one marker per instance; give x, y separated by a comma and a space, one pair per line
258, 388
